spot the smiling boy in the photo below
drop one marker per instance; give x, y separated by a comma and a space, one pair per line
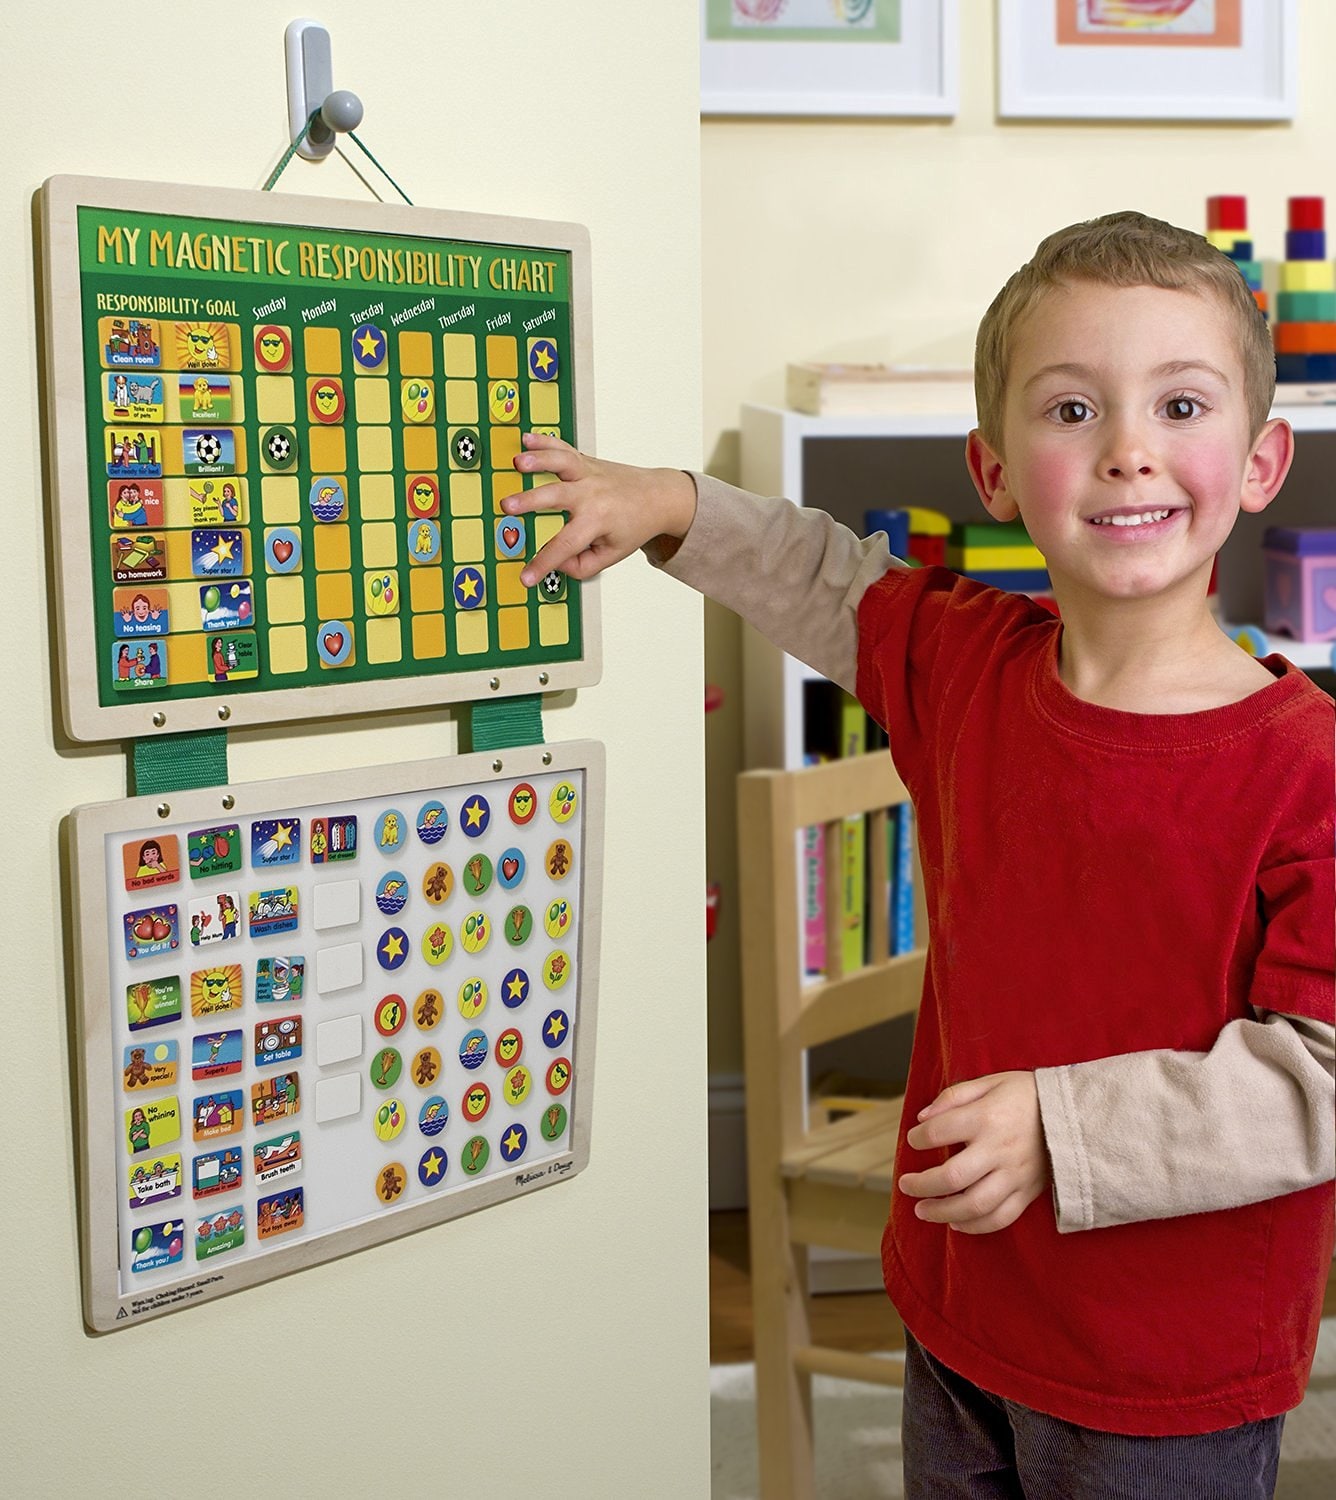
1112, 1221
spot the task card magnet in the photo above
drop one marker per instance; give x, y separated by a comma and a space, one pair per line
134, 342
386, 1067
474, 817
208, 450
139, 612
153, 1002
389, 1015
380, 594
509, 1045
390, 1181
276, 841
428, 1010
279, 979
518, 925
220, 1113
214, 919
133, 452
433, 822
424, 497
226, 606
279, 1213
473, 1050
559, 1076
470, 588
215, 990
155, 1181
473, 1158
214, 851
417, 402
513, 1143
472, 998
562, 802
278, 1041
152, 861
325, 399
216, 553
558, 860
390, 1119
544, 363
392, 891
327, 499
137, 666
510, 868
434, 1115
132, 503
425, 1068
154, 1123
474, 932
277, 1097
553, 1124
151, 930
424, 542
510, 538
518, 1083
203, 398
438, 882
556, 970
437, 943
477, 874
392, 948
503, 402
153, 1246
278, 1158
333, 838
279, 447
139, 558
214, 504
522, 804
215, 1054
219, 1233
555, 1028
476, 1102
272, 911
215, 1172
273, 348
150, 1065
514, 989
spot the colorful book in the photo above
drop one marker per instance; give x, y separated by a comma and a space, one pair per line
901, 833
814, 893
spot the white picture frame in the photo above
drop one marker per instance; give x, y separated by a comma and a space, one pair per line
1214, 60
808, 57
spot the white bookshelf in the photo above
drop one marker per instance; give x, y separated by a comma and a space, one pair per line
849, 464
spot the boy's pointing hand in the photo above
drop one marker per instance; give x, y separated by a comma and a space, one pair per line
1003, 1166
612, 509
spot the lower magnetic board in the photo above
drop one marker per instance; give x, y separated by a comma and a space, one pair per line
320, 1012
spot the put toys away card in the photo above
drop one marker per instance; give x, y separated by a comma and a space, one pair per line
335, 1009
296, 422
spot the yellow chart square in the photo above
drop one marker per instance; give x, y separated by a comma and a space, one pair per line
275, 398
537, 481
380, 544
375, 450
505, 446
509, 589
287, 649
461, 401
507, 483
324, 351
428, 636
512, 629
466, 541
420, 449
426, 590
371, 400
415, 354
285, 600
328, 450
383, 640
466, 494
333, 551
334, 596
544, 403
470, 632
502, 357
553, 625
186, 661
280, 500
375, 497
545, 527
461, 355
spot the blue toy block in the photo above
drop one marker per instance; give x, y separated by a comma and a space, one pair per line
1305, 244
1305, 369
1242, 250
1015, 580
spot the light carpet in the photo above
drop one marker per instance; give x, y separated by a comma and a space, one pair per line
857, 1433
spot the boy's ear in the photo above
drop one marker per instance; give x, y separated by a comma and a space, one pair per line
989, 474
1268, 464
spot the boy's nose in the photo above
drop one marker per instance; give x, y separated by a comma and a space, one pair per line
1126, 453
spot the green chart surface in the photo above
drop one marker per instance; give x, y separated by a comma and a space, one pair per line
283, 495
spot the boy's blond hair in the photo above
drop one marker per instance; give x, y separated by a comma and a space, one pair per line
1122, 249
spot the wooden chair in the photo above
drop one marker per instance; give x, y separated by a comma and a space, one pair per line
810, 1181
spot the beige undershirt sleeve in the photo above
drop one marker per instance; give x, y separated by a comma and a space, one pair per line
1146, 1135
1153, 1135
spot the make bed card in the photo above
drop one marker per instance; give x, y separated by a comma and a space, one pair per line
321, 1012
282, 429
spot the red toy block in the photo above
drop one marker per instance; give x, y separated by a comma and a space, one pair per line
1227, 212
1306, 213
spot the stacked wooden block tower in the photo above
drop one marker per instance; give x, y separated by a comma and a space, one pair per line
1303, 320
1305, 326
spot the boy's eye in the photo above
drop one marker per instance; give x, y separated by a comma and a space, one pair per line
1072, 412
1181, 408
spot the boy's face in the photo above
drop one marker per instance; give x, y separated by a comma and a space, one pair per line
1126, 437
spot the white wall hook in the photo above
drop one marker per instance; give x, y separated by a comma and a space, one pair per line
310, 70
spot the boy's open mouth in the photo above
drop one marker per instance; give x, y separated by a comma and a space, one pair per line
1133, 519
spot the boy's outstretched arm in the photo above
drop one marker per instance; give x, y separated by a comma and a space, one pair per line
796, 575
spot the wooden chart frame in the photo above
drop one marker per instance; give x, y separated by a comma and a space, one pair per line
90, 827
67, 388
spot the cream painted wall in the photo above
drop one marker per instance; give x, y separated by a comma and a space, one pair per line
556, 1344
886, 240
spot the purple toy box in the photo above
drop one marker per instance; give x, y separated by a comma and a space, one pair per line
1300, 582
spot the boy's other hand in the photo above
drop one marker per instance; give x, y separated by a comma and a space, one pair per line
613, 509
1003, 1167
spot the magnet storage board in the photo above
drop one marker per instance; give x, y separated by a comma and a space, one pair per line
318, 1013
281, 429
